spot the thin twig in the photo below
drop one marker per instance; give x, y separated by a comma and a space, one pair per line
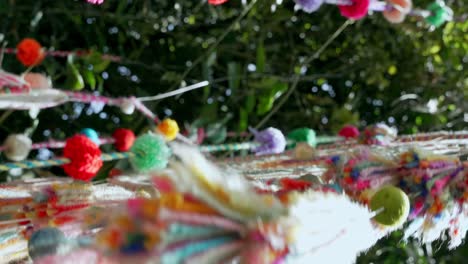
297, 76
218, 41
5, 115
175, 92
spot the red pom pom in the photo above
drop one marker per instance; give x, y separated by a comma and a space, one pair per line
85, 158
294, 184
124, 139
217, 2
349, 131
114, 172
357, 10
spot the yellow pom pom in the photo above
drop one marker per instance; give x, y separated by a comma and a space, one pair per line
169, 129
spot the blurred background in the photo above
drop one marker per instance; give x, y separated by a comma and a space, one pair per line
407, 75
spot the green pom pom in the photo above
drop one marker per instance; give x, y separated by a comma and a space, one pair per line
439, 14
151, 153
303, 135
394, 203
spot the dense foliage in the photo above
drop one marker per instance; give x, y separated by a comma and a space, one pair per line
255, 56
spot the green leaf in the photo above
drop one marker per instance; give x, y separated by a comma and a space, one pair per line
278, 88
392, 70
270, 90
243, 119
342, 116
265, 104
250, 103
99, 64
233, 75
89, 78
265, 84
207, 74
216, 134
321, 81
74, 79
171, 76
210, 61
261, 57
209, 112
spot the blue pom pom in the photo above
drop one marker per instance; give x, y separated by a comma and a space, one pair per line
91, 134
355, 174
135, 244
335, 159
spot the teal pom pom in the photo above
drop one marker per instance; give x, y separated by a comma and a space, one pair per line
303, 135
91, 134
440, 13
46, 241
151, 153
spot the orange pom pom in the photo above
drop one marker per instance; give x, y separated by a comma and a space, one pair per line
29, 52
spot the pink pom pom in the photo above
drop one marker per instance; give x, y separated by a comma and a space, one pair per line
96, 2
37, 80
124, 139
217, 2
258, 252
355, 11
134, 206
85, 157
398, 12
349, 131
163, 184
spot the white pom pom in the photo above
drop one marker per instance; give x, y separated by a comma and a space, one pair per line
17, 147
127, 107
327, 223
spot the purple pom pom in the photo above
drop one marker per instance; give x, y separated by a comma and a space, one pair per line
271, 140
309, 6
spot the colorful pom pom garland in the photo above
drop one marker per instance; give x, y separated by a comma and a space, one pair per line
91, 134
168, 128
394, 11
30, 52
398, 11
392, 204
83, 158
124, 139
199, 212
349, 131
206, 202
356, 10
17, 147
151, 152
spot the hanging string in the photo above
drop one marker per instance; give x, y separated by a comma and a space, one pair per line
64, 54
